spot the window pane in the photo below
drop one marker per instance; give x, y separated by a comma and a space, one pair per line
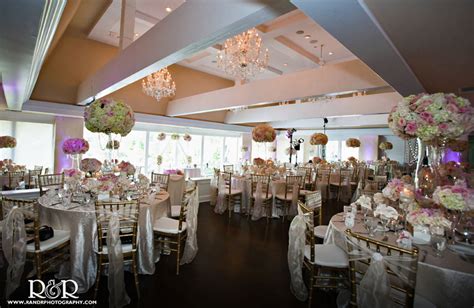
231, 150
191, 148
347, 152
332, 150
261, 149
212, 155
34, 144
132, 148
6, 130
97, 144
166, 148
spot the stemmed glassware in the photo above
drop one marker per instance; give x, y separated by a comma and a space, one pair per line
438, 240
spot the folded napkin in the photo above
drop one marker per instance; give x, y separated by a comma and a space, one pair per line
365, 202
379, 198
386, 211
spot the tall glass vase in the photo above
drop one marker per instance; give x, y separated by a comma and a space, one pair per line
427, 176
75, 161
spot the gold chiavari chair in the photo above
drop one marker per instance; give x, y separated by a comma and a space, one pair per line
321, 256
190, 188
44, 255
343, 181
402, 294
323, 175
38, 168
47, 181
232, 195
14, 178
314, 202
172, 232
285, 199
229, 168
307, 173
266, 195
46, 171
32, 179
161, 179
128, 212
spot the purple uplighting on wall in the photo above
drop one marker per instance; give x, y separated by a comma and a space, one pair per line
452, 156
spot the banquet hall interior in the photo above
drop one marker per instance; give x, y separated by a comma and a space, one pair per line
239, 153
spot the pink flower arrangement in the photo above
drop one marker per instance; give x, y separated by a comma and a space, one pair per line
453, 197
432, 117
109, 116
69, 173
263, 133
74, 146
427, 216
393, 189
107, 182
126, 167
7, 142
90, 165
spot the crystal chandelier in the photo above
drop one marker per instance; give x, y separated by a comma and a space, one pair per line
159, 84
243, 56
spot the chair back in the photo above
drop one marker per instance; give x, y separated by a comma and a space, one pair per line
313, 201
345, 176
40, 168
322, 176
14, 178
162, 180
307, 173
229, 168
184, 208
128, 212
46, 170
264, 179
404, 293
291, 181
309, 232
31, 214
49, 181
33, 177
227, 178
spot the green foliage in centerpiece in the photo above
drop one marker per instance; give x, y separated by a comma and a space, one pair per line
109, 116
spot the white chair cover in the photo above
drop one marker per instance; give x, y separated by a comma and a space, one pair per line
220, 204
296, 244
191, 246
374, 288
14, 248
117, 294
258, 210
294, 201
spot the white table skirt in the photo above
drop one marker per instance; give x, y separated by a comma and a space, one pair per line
81, 222
445, 282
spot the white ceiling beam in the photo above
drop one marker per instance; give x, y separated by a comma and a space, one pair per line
297, 48
370, 120
332, 78
192, 27
357, 105
282, 21
27, 29
127, 23
352, 24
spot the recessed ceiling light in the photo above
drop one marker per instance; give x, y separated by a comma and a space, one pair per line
285, 64
136, 34
168, 9
307, 36
330, 53
313, 41
299, 32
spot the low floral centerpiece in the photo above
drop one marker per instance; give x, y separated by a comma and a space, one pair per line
90, 165
7, 142
428, 217
393, 189
126, 168
109, 116
453, 197
161, 136
385, 146
75, 146
353, 143
318, 139
72, 177
263, 133
173, 171
258, 161
318, 160
107, 182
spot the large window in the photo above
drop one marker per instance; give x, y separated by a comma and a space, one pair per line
35, 143
332, 150
347, 152
213, 152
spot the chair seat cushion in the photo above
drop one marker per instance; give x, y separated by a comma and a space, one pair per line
320, 231
233, 192
263, 195
175, 210
168, 225
125, 248
289, 196
328, 255
60, 237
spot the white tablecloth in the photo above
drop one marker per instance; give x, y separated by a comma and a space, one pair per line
81, 222
192, 172
445, 282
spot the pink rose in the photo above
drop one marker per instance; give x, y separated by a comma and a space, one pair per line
411, 128
402, 122
426, 116
452, 107
443, 127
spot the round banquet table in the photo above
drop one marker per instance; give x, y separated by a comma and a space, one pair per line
446, 281
80, 220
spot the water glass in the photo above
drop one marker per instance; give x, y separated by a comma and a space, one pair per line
347, 209
371, 224
438, 240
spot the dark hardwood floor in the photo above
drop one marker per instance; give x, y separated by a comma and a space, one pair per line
240, 263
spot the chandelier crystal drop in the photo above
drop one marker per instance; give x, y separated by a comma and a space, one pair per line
159, 84
243, 55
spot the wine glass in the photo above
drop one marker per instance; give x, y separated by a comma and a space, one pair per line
438, 240
371, 224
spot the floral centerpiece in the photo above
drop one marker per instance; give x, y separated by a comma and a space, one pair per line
112, 145
175, 136
432, 117
385, 146
318, 160
452, 197
107, 182
7, 142
109, 116
159, 160
161, 136
263, 133
458, 145
173, 171
90, 165
187, 137
72, 177
353, 143
393, 189
318, 139
126, 167
427, 216
290, 151
75, 146
258, 161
